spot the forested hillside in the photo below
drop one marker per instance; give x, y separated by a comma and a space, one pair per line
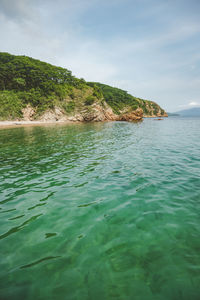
24, 80
41, 87
119, 100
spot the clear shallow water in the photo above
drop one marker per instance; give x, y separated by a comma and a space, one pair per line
101, 211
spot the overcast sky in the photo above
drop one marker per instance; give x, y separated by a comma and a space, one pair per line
151, 48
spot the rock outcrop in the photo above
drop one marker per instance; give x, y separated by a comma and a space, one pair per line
93, 113
153, 110
76, 109
28, 113
135, 115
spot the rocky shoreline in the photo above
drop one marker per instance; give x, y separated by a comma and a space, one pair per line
96, 113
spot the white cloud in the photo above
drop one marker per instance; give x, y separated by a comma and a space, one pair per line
193, 103
148, 65
190, 104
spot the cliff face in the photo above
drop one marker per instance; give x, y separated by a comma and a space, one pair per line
34, 90
84, 107
97, 112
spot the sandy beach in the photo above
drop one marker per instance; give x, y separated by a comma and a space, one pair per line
8, 124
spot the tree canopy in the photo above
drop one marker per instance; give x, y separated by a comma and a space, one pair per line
25, 73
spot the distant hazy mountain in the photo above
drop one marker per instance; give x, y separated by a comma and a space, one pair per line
172, 114
191, 112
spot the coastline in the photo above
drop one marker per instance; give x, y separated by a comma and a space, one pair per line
17, 124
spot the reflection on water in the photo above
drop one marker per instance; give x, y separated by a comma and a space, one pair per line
100, 211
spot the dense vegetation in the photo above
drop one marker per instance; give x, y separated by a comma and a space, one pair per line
24, 80
119, 100
116, 98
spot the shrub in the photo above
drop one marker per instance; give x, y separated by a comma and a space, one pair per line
118, 99
10, 106
69, 107
89, 100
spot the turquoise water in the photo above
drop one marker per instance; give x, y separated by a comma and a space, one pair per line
101, 211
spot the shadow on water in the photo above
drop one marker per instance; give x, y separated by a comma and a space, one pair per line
39, 261
18, 228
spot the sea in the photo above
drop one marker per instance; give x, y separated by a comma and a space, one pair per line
101, 211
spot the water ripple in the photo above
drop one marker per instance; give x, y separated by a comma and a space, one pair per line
106, 211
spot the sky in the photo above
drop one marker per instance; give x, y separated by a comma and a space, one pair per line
150, 48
